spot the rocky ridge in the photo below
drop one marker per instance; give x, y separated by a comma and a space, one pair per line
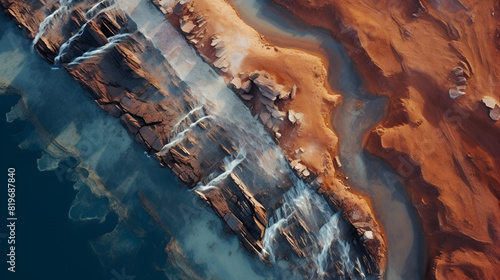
102, 49
273, 83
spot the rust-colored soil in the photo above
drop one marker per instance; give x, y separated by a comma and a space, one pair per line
448, 150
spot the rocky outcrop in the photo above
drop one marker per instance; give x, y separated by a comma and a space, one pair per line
494, 107
106, 56
270, 81
28, 16
240, 210
241, 177
420, 53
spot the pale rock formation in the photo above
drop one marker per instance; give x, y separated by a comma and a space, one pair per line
494, 107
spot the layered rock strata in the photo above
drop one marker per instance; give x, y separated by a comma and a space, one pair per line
286, 90
242, 177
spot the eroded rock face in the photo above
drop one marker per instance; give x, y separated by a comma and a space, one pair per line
273, 97
241, 177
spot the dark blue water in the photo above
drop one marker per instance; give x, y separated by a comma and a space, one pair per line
48, 244
72, 131
52, 246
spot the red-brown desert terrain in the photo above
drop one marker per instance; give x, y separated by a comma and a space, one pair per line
420, 54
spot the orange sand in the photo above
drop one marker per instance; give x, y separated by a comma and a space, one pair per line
448, 150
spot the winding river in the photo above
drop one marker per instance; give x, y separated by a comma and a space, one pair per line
351, 122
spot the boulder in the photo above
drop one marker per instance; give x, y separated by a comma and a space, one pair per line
306, 173
461, 81
299, 117
157, 145
236, 83
293, 92
367, 235
178, 8
268, 95
291, 116
458, 71
127, 103
495, 113
294, 163
494, 107
284, 94
268, 87
254, 76
454, 93
148, 134
265, 101
300, 167
490, 102
187, 26
265, 117
269, 123
337, 160
246, 86
277, 114
215, 41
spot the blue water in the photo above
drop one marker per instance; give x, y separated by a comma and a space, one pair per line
66, 129
48, 244
74, 140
